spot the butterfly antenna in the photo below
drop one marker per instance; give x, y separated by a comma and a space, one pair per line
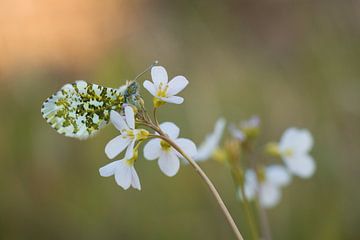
147, 69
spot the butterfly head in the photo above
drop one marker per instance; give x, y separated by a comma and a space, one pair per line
132, 95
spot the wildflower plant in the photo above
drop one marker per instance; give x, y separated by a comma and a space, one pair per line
81, 109
260, 173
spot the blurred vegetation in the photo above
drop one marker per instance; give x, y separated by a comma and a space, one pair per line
294, 63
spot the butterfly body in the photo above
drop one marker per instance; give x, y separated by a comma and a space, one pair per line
80, 109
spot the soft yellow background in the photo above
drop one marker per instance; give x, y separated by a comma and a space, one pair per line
294, 63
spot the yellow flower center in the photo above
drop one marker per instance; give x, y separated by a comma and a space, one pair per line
130, 133
165, 146
162, 90
288, 152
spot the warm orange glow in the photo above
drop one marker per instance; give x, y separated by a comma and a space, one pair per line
65, 33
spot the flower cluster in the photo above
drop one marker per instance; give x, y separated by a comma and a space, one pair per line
124, 170
159, 146
80, 110
256, 179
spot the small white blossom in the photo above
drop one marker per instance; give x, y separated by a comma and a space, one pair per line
268, 185
253, 122
211, 143
236, 133
124, 172
162, 90
128, 134
248, 129
294, 147
168, 157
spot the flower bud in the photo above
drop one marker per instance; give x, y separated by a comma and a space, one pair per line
220, 155
272, 148
142, 135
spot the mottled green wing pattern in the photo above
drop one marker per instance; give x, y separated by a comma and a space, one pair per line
80, 109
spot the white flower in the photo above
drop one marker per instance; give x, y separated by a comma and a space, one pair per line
294, 148
124, 171
211, 143
168, 157
236, 133
268, 187
162, 90
248, 129
253, 122
128, 134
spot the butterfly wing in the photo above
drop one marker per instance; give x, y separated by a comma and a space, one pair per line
80, 109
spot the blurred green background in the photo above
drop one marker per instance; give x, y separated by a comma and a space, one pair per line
294, 63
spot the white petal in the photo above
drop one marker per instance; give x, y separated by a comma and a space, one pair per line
150, 87
187, 146
135, 181
152, 149
116, 146
269, 195
211, 142
278, 175
172, 99
130, 150
170, 129
176, 85
236, 133
250, 185
169, 163
302, 166
123, 176
253, 122
130, 119
118, 121
250, 191
109, 169
159, 75
298, 140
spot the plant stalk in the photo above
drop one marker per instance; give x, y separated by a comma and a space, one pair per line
210, 185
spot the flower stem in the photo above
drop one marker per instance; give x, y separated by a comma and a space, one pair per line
249, 215
264, 222
155, 118
210, 185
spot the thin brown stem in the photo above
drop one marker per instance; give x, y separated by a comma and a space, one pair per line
149, 125
210, 185
197, 168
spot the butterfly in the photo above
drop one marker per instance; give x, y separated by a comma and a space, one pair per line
81, 109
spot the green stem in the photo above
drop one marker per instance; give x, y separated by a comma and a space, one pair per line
249, 215
155, 118
264, 222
